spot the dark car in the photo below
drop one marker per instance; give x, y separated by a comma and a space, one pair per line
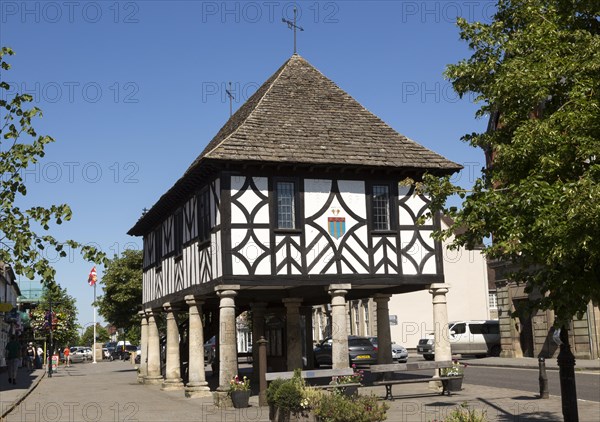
123, 351
360, 351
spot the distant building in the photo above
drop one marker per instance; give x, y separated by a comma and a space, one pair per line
10, 322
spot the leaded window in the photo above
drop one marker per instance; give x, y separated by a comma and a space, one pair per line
380, 204
286, 205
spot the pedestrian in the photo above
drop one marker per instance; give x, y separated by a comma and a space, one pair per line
41, 357
13, 355
30, 356
67, 354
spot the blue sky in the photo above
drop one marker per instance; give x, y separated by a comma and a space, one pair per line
132, 91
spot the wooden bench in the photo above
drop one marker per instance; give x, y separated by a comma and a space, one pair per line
317, 373
389, 369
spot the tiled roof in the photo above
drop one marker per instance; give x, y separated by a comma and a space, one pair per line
298, 116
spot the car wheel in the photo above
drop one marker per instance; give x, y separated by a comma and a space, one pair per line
428, 357
495, 351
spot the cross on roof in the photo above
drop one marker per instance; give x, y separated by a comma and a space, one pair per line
292, 25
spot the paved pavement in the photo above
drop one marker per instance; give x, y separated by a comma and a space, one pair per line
108, 391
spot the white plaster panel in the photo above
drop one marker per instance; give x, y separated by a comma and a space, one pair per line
237, 216
215, 253
316, 192
313, 253
353, 194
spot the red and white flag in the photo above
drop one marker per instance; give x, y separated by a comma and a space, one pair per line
92, 277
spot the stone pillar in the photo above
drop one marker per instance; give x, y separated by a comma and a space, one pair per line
440, 321
197, 385
261, 345
228, 367
384, 338
143, 369
293, 333
154, 376
339, 330
173, 368
258, 331
307, 311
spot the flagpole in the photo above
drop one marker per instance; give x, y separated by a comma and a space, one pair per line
94, 349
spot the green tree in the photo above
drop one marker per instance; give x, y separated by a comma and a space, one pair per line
87, 339
122, 285
23, 232
536, 70
65, 329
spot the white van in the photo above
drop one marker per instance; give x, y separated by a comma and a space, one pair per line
480, 338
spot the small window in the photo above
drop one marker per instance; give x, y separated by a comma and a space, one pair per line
204, 215
286, 205
476, 328
459, 328
491, 328
493, 300
380, 206
178, 237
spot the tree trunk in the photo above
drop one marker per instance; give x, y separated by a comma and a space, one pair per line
566, 365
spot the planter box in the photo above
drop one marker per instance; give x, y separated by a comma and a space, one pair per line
240, 399
455, 384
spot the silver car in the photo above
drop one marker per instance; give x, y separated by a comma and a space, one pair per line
399, 353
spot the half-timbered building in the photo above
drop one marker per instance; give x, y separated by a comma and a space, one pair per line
295, 202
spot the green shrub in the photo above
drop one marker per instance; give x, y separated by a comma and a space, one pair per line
287, 395
339, 408
464, 413
272, 389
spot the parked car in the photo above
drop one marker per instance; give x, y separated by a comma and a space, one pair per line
80, 354
479, 338
138, 354
123, 351
399, 353
360, 351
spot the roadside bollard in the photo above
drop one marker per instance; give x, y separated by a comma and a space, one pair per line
543, 379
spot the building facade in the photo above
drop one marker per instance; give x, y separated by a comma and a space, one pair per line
10, 322
295, 203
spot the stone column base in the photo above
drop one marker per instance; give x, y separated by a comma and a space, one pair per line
153, 380
170, 385
197, 390
140, 379
222, 399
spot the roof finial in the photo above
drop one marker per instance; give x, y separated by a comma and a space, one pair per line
231, 97
292, 25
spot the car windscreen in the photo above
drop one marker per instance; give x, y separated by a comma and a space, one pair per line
359, 342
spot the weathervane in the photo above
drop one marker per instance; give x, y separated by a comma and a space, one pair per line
292, 25
231, 97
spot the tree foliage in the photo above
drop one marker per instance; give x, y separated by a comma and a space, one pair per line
87, 339
63, 306
122, 298
23, 232
536, 70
